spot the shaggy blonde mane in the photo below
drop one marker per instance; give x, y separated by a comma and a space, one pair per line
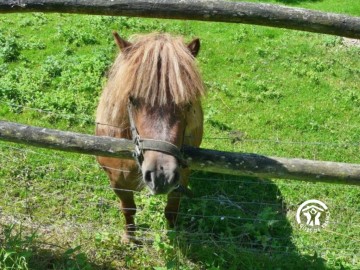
157, 68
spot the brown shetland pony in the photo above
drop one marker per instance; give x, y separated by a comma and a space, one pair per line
157, 73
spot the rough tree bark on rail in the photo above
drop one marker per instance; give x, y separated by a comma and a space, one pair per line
220, 11
199, 159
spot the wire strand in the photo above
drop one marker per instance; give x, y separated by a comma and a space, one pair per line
231, 138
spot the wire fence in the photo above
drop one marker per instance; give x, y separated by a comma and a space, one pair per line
232, 137
64, 196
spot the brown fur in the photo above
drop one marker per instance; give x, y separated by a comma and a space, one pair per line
159, 71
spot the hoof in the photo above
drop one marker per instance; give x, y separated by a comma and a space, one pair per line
170, 224
171, 220
127, 239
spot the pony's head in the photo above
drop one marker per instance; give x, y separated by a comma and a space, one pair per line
157, 75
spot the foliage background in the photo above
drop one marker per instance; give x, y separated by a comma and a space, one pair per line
270, 91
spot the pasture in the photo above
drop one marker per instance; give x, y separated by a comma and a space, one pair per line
270, 91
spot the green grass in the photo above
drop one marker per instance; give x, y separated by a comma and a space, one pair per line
270, 91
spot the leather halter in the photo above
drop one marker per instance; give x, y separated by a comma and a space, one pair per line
142, 144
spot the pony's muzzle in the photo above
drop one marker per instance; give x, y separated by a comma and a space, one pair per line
161, 175
160, 182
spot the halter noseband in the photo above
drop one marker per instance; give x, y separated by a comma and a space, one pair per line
142, 144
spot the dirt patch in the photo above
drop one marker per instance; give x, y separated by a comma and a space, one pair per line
351, 42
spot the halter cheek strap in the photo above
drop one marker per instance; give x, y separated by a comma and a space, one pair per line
142, 144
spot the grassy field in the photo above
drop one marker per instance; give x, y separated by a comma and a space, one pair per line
270, 91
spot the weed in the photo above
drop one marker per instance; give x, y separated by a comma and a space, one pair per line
332, 41
52, 67
15, 251
9, 48
76, 37
240, 36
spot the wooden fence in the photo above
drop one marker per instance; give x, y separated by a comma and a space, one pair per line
198, 158
203, 10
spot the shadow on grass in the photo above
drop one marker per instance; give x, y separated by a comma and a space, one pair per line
238, 223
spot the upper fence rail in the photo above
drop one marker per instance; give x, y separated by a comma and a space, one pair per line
202, 10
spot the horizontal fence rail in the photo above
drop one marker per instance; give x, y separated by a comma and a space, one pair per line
199, 159
220, 11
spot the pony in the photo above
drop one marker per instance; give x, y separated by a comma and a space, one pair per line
154, 89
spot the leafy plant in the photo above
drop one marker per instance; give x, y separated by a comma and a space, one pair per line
9, 48
14, 250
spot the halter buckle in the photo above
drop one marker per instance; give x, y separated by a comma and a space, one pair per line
138, 151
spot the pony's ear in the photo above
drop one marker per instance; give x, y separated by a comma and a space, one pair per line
194, 47
120, 42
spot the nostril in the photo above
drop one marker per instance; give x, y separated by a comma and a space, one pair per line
147, 176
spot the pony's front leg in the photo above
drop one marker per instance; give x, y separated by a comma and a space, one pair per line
172, 208
123, 182
173, 201
128, 208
